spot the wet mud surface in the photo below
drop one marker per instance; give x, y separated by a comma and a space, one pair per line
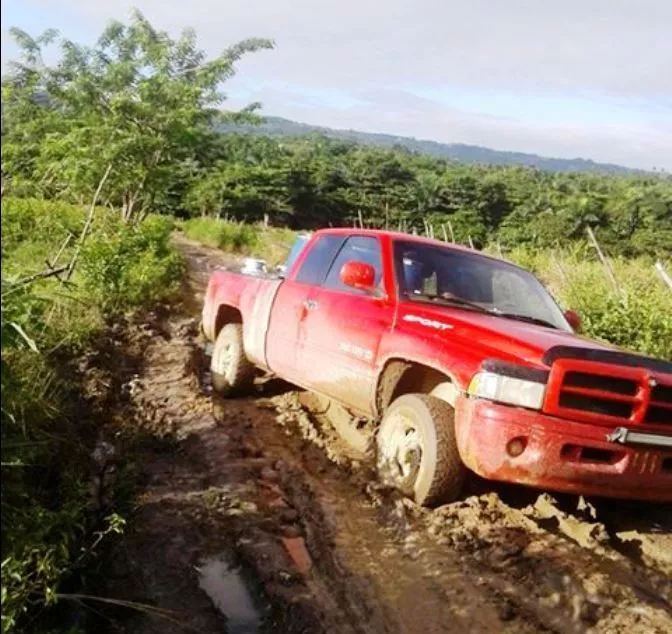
254, 516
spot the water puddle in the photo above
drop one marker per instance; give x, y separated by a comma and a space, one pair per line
226, 588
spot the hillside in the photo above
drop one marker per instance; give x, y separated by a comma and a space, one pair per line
277, 126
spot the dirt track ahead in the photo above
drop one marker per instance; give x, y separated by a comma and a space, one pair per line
255, 518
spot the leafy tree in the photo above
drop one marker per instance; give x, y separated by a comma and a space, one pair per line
137, 100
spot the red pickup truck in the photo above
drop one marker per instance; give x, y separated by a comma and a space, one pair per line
459, 360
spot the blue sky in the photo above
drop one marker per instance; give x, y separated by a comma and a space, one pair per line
590, 78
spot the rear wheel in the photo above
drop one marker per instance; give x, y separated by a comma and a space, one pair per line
417, 450
232, 372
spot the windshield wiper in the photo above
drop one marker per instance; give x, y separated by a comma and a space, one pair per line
527, 318
454, 301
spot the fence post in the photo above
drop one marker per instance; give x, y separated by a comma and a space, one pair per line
452, 233
605, 262
665, 276
471, 243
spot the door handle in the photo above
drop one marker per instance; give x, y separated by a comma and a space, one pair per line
310, 304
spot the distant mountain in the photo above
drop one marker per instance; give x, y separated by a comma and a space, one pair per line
277, 126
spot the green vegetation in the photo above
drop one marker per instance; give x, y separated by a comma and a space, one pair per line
47, 516
147, 105
236, 237
639, 317
279, 127
125, 118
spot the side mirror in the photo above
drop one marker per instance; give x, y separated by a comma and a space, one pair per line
358, 275
574, 319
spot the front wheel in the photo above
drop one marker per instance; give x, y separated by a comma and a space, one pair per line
232, 372
417, 450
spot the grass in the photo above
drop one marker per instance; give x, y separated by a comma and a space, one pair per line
637, 317
271, 243
47, 519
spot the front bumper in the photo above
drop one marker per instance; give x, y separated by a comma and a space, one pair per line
559, 454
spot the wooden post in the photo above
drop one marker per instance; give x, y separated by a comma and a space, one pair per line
361, 220
471, 243
452, 233
431, 231
605, 263
665, 276
445, 235
426, 228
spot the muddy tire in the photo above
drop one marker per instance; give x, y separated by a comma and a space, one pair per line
232, 372
416, 450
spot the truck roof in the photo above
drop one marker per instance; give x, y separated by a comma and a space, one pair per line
396, 235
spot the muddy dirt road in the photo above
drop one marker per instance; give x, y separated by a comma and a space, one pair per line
255, 518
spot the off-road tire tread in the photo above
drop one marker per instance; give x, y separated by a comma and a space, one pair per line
242, 376
450, 472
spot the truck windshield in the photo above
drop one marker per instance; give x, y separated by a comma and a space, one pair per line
473, 282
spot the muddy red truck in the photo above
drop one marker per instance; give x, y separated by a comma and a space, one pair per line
458, 361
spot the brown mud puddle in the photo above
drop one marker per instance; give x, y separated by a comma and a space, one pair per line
254, 517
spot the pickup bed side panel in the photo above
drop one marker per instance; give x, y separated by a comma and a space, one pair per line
256, 303
285, 327
253, 297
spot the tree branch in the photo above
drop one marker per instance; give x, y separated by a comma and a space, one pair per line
87, 224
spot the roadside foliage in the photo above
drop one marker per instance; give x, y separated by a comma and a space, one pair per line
47, 517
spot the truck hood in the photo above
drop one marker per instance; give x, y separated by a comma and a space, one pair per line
493, 336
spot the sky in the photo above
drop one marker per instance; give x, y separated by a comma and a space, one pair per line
570, 78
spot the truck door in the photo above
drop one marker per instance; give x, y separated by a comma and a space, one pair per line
343, 329
284, 338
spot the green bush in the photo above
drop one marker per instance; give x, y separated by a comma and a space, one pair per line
271, 243
228, 236
46, 524
638, 317
128, 266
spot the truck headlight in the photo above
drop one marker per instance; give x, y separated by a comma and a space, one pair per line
506, 389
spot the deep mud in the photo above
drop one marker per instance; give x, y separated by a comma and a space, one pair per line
255, 517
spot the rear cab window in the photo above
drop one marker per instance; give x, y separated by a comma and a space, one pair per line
360, 248
320, 255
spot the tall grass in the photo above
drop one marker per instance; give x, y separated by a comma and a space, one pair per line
46, 515
271, 243
637, 316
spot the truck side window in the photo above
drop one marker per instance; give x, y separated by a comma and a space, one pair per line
318, 259
361, 248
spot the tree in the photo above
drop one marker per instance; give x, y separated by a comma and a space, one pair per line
137, 100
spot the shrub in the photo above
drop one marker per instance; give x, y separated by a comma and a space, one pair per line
228, 236
638, 318
271, 243
46, 524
